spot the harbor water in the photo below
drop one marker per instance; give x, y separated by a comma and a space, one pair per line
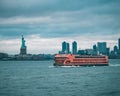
41, 78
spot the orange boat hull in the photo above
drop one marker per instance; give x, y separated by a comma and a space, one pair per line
73, 60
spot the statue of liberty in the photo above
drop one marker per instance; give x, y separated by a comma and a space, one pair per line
23, 42
23, 49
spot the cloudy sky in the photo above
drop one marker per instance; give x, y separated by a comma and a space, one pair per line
45, 24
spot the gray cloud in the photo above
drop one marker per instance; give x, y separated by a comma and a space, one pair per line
9, 8
59, 18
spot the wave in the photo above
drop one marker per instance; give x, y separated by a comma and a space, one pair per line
50, 66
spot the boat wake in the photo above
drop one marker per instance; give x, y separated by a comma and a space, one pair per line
69, 66
114, 64
63, 66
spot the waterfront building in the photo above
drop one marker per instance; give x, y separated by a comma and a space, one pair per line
119, 44
81, 52
95, 47
94, 50
115, 49
108, 51
89, 51
65, 48
102, 48
74, 47
23, 49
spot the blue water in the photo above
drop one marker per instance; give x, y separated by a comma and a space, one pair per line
41, 78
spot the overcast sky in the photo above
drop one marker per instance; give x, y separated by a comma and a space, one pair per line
45, 24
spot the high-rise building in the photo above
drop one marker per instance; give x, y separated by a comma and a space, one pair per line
65, 48
102, 48
23, 49
119, 44
108, 51
74, 47
115, 49
94, 50
94, 47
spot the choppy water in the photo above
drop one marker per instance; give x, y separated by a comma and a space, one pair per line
41, 78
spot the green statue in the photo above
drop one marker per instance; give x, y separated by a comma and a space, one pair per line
23, 42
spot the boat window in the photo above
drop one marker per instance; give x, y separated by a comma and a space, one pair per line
89, 57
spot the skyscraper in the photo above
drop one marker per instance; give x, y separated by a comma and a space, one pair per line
108, 51
94, 50
65, 47
94, 47
102, 48
74, 47
119, 44
23, 49
115, 49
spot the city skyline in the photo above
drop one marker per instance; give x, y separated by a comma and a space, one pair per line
96, 49
72, 48
46, 24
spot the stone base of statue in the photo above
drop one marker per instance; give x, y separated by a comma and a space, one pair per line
23, 51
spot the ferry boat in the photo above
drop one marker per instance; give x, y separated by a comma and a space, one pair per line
80, 60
